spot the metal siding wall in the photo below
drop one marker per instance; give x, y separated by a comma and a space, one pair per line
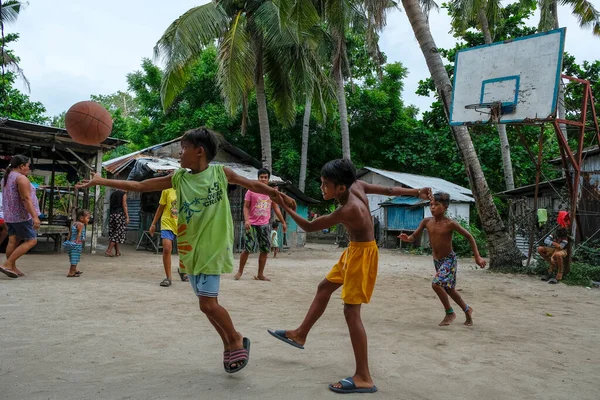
403, 218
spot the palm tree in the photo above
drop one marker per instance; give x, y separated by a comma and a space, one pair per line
307, 69
9, 12
340, 16
250, 37
484, 13
503, 251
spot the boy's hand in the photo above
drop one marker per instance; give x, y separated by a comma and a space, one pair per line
405, 238
426, 194
88, 182
247, 226
152, 229
285, 201
284, 226
480, 261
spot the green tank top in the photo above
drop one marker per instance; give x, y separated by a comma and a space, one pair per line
205, 226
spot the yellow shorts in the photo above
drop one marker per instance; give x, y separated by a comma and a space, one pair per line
356, 270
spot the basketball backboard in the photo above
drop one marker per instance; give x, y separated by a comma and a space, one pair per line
508, 82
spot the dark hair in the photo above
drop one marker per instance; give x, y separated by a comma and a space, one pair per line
340, 172
442, 197
275, 224
263, 171
205, 138
81, 212
15, 162
562, 233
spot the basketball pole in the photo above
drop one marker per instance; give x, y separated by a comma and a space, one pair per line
574, 160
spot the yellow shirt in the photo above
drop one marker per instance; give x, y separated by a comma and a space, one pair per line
168, 219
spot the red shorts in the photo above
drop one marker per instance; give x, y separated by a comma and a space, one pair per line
1, 221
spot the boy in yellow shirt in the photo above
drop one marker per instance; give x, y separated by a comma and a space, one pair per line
167, 211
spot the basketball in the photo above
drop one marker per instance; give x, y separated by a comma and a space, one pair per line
87, 122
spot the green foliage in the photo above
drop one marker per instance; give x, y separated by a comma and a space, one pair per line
588, 252
582, 274
461, 245
13, 103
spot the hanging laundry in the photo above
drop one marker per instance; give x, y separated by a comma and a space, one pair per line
542, 215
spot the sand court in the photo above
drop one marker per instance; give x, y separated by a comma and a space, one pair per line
114, 333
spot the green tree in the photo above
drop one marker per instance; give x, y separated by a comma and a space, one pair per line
503, 251
250, 39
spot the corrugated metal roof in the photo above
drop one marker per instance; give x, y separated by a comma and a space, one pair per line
457, 193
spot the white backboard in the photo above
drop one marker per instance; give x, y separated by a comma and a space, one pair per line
522, 74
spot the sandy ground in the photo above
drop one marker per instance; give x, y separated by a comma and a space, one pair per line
115, 334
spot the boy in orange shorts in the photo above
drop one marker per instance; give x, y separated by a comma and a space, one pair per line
355, 272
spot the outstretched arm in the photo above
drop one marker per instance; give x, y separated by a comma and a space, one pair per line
316, 224
415, 235
423, 193
458, 228
149, 185
257, 187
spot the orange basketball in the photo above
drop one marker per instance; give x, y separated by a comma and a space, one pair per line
87, 122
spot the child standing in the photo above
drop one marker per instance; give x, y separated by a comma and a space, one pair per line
205, 229
440, 229
74, 244
356, 269
274, 240
167, 212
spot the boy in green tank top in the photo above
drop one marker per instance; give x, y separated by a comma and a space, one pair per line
205, 228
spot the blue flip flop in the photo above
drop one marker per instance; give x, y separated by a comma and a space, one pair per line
348, 386
280, 334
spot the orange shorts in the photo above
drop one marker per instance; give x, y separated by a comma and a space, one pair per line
356, 270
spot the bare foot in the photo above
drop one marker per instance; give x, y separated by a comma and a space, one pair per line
469, 315
448, 319
237, 276
358, 381
261, 278
20, 273
107, 254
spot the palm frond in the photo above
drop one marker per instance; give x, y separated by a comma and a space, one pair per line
280, 85
586, 14
427, 6
11, 64
9, 11
236, 63
182, 43
547, 17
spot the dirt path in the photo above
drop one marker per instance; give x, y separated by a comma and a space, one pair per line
115, 334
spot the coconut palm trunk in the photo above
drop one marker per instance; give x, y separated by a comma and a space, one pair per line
341, 95
304, 153
503, 251
562, 112
504, 145
263, 116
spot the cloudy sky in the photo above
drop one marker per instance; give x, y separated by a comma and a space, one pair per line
71, 49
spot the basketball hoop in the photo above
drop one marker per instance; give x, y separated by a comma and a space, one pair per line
493, 109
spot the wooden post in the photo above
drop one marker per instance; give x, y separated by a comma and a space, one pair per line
51, 209
97, 206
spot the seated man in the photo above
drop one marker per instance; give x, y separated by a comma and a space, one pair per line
554, 251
